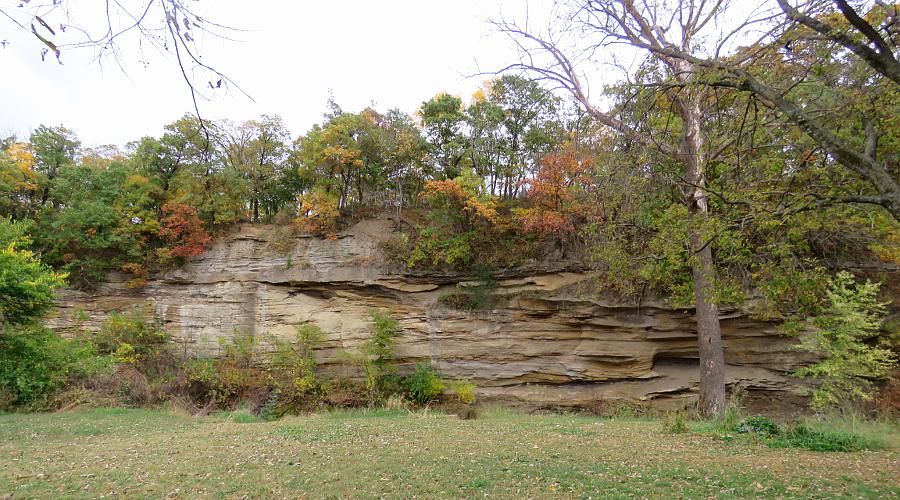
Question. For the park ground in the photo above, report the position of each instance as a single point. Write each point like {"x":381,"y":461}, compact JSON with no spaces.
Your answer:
{"x":159,"y":453}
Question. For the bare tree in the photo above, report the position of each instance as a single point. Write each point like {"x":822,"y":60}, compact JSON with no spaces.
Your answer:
{"x":115,"y":27}
{"x":650,"y":27}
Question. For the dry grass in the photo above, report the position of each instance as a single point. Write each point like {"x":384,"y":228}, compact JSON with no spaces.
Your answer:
{"x":139,"y":453}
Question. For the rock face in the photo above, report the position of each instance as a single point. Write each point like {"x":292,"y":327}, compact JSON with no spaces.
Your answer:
{"x":541,"y":344}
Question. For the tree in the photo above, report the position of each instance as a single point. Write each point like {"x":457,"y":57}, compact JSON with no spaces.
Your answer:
{"x":524,"y":114}
{"x":443,"y":120}
{"x":259,"y":150}
{"x":204,"y":179}
{"x":171,"y":27}
{"x":108,"y":220}
{"x":345,"y":157}
{"x":461,"y":212}
{"x":18,"y":181}
{"x":556,"y":195}
{"x":875,"y":45}
{"x":843,"y":335}
{"x":26,"y":284}
{"x":810,"y":40}
{"x":183,"y":231}
{"x":406,"y":154}
{"x":164,"y":158}
{"x":610,"y":22}
{"x":54,"y":148}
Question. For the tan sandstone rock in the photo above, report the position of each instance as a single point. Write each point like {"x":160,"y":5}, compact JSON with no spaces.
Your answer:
{"x":542,"y":345}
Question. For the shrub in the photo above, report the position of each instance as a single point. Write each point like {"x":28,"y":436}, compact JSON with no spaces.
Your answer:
{"x":424,"y":384}
{"x":26,"y":284}
{"x":378,"y":352}
{"x":269,"y":409}
{"x":843,"y":334}
{"x":35,"y":362}
{"x":7,"y":398}
{"x":319,"y":211}
{"x":345,"y":393}
{"x":129,"y":338}
{"x":293,"y":365}
{"x":230,"y":378}
{"x":760,"y":425}
{"x":475,"y":297}
{"x":129,"y":386}
{"x":675,"y":423}
{"x":463,"y":390}
{"x":240,"y":349}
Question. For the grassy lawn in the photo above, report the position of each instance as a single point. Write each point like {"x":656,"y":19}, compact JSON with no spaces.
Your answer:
{"x":141,"y":453}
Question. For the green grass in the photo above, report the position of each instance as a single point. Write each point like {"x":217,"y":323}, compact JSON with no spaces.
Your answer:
{"x":375,"y":453}
{"x":828,"y":434}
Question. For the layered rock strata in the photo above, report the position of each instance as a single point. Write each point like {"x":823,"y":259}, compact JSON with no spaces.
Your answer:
{"x":543,"y":343}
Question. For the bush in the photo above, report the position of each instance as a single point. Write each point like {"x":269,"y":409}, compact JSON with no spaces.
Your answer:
{"x":293,"y":369}
{"x":474,"y":297}
{"x":675,"y":423}
{"x":377,"y":353}
{"x":128,"y":385}
{"x":221,"y":381}
{"x":35,"y":362}
{"x":760,"y":425}
{"x":463,"y":390}
{"x":226,"y":379}
{"x":129,"y":338}
{"x":26,"y":283}
{"x":424,"y":384}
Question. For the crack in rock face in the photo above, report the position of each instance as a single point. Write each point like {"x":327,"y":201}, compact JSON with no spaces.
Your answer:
{"x":541,"y":344}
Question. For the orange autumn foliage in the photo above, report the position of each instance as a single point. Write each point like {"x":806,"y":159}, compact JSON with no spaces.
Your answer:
{"x":556,"y":194}
{"x":454,"y":195}
{"x":183,"y":231}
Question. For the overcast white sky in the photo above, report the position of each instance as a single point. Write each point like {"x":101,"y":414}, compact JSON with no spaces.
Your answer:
{"x":396,"y":53}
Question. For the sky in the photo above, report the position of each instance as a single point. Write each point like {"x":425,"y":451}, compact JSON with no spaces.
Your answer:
{"x":288,"y":57}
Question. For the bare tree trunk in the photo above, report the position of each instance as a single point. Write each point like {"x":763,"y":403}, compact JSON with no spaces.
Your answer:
{"x":709,"y":332}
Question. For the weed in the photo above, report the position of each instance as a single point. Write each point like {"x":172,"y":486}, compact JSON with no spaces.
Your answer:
{"x":808,"y":438}
{"x":241,"y":417}
{"x":675,"y":423}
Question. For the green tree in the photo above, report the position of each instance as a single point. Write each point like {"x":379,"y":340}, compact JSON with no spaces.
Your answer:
{"x":18,"y":181}
{"x":845,"y":334}
{"x":54,"y":148}
{"x":109,"y":220}
{"x":206,"y":181}
{"x":525,"y":117}
{"x":259,"y":151}
{"x":405,"y":158}
{"x":26,"y":284}
{"x":345,"y":157}
{"x":443,"y":119}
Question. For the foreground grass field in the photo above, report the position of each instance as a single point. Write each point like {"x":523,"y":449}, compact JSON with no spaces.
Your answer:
{"x":139,"y":453}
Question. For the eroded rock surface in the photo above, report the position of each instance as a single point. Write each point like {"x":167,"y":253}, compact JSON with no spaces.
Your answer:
{"x":542,"y":345}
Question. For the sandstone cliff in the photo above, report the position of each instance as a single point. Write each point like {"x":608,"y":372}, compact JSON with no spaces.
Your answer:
{"x":542,"y":345}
